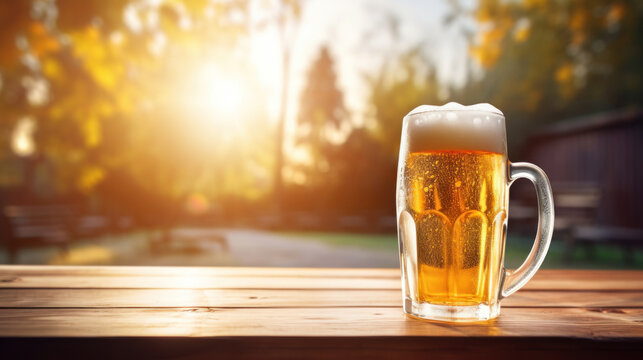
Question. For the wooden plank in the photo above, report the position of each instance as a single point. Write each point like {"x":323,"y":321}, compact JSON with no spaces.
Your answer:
{"x":610,"y":281}
{"x":278,"y":278}
{"x":138,"y":271}
{"x":196,"y":282}
{"x":317,"y":348}
{"x":604,"y":299}
{"x":586,"y":280}
{"x":254,"y":298}
{"x":597,"y":323}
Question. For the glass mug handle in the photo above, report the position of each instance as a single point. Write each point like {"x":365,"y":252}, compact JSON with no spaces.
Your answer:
{"x":512,"y":280}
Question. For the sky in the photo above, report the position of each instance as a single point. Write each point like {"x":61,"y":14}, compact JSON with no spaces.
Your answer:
{"x":353,"y":32}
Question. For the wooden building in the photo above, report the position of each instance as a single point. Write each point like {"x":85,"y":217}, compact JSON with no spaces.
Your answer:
{"x":595,"y":163}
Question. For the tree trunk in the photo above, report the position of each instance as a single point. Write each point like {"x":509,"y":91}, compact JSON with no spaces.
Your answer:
{"x":281,"y":127}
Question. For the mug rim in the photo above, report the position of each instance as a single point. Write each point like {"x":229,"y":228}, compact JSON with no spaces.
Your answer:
{"x":432,"y":108}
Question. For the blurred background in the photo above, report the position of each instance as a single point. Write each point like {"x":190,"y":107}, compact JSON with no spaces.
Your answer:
{"x":266,"y":133}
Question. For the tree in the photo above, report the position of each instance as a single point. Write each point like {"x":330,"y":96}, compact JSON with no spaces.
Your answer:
{"x":544,"y":61}
{"x":403,"y":83}
{"x":361,"y":180}
{"x":321,"y":109}
{"x":99,"y":81}
{"x":287,"y":21}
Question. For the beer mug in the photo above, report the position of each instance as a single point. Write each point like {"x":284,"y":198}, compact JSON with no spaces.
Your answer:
{"x":452,"y":205}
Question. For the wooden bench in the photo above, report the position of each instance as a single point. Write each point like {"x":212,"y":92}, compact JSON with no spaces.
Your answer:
{"x":187,"y":240}
{"x":24,"y":226}
{"x":576,"y":207}
{"x":302,"y":313}
{"x":576,"y":221}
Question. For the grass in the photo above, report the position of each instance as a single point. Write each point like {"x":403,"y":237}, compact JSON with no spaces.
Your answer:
{"x":605,"y":257}
{"x":132,"y":249}
{"x":384,"y":242}
{"x":517,"y":248}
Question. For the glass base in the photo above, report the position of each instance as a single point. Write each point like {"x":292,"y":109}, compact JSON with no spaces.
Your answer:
{"x":451,"y":313}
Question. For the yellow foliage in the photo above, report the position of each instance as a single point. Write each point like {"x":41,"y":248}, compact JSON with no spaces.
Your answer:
{"x":497,"y":21}
{"x":105,"y":109}
{"x":104,"y":68}
{"x":483,"y":15}
{"x":51,"y":68}
{"x":615,"y":14}
{"x":104,"y":75}
{"x":531,"y":4}
{"x":124,"y":101}
{"x":37,"y":28}
{"x":564,"y":74}
{"x":488,"y":49}
{"x":578,"y":20}
{"x":41,"y":41}
{"x":91,"y":131}
{"x":90,"y":177}
{"x":487,"y":56}
{"x":521,"y":34}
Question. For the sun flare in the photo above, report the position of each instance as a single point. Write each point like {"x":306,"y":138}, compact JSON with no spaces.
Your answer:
{"x":217,"y":94}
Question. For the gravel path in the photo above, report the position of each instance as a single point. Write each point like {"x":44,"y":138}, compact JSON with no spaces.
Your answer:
{"x":259,"y":248}
{"x":195,"y":247}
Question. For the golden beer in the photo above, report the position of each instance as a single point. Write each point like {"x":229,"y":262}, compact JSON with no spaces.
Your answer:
{"x":452,"y":195}
{"x":458,"y":203}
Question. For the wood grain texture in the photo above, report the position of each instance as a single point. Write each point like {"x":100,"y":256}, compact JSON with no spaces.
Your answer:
{"x":248,"y":278}
{"x":561,"y":322}
{"x":255,"y":298}
{"x":142,"y":312}
{"x":195,"y":282}
{"x":317,"y":348}
{"x":57,"y":270}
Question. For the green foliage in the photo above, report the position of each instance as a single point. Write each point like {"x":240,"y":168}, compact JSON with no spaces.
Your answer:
{"x":548,"y":60}
{"x":402,"y":84}
{"x":100,"y":80}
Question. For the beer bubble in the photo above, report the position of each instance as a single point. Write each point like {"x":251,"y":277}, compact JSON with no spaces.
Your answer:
{"x":426,"y":189}
{"x":458,"y":183}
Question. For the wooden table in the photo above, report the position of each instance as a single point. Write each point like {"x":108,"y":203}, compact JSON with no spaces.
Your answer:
{"x":147,"y":312}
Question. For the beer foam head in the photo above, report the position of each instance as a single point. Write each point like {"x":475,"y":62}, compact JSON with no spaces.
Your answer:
{"x":454,"y":126}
